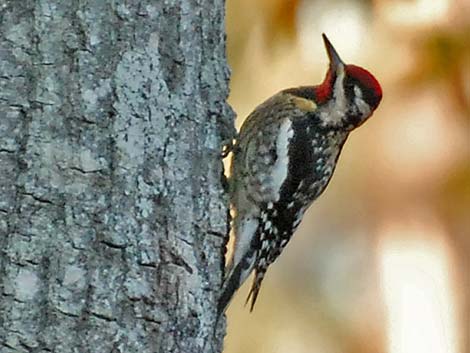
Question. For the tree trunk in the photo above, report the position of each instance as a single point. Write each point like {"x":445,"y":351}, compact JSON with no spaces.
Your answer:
{"x":112,"y":211}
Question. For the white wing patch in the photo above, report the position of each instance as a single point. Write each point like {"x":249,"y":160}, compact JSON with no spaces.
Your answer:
{"x":281,"y":166}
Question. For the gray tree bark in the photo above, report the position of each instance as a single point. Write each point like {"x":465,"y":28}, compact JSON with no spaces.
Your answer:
{"x":112,"y":210}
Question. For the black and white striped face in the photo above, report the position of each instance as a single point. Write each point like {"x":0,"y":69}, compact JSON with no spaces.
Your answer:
{"x":348,"y":95}
{"x":363,"y":94}
{"x":355,"y":94}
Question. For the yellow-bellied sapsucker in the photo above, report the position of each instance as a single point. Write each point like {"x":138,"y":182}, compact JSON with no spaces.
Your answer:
{"x":283,"y":159}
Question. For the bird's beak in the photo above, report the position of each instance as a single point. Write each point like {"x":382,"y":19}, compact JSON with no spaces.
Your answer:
{"x":335,"y":61}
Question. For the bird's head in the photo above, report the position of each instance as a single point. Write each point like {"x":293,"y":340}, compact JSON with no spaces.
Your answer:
{"x":348,"y":95}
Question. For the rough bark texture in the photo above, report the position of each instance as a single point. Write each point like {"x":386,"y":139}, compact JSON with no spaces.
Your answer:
{"x":112,"y":214}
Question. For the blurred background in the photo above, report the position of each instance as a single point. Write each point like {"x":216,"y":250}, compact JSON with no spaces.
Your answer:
{"x":380,"y":262}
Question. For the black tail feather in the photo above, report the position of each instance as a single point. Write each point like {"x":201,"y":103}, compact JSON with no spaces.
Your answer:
{"x":255,"y":288}
{"x":230,"y":286}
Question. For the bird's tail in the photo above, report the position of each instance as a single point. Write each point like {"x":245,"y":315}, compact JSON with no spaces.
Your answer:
{"x":255,"y":287}
{"x":234,"y":279}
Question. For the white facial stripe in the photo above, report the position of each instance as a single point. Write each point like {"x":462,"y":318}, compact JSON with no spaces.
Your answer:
{"x":280,"y":169}
{"x":340,"y":95}
{"x":333,"y":113}
{"x":357,"y":91}
{"x":363,"y":107}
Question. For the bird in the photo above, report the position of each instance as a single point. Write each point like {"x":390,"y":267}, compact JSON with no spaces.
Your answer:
{"x":283,"y":159}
